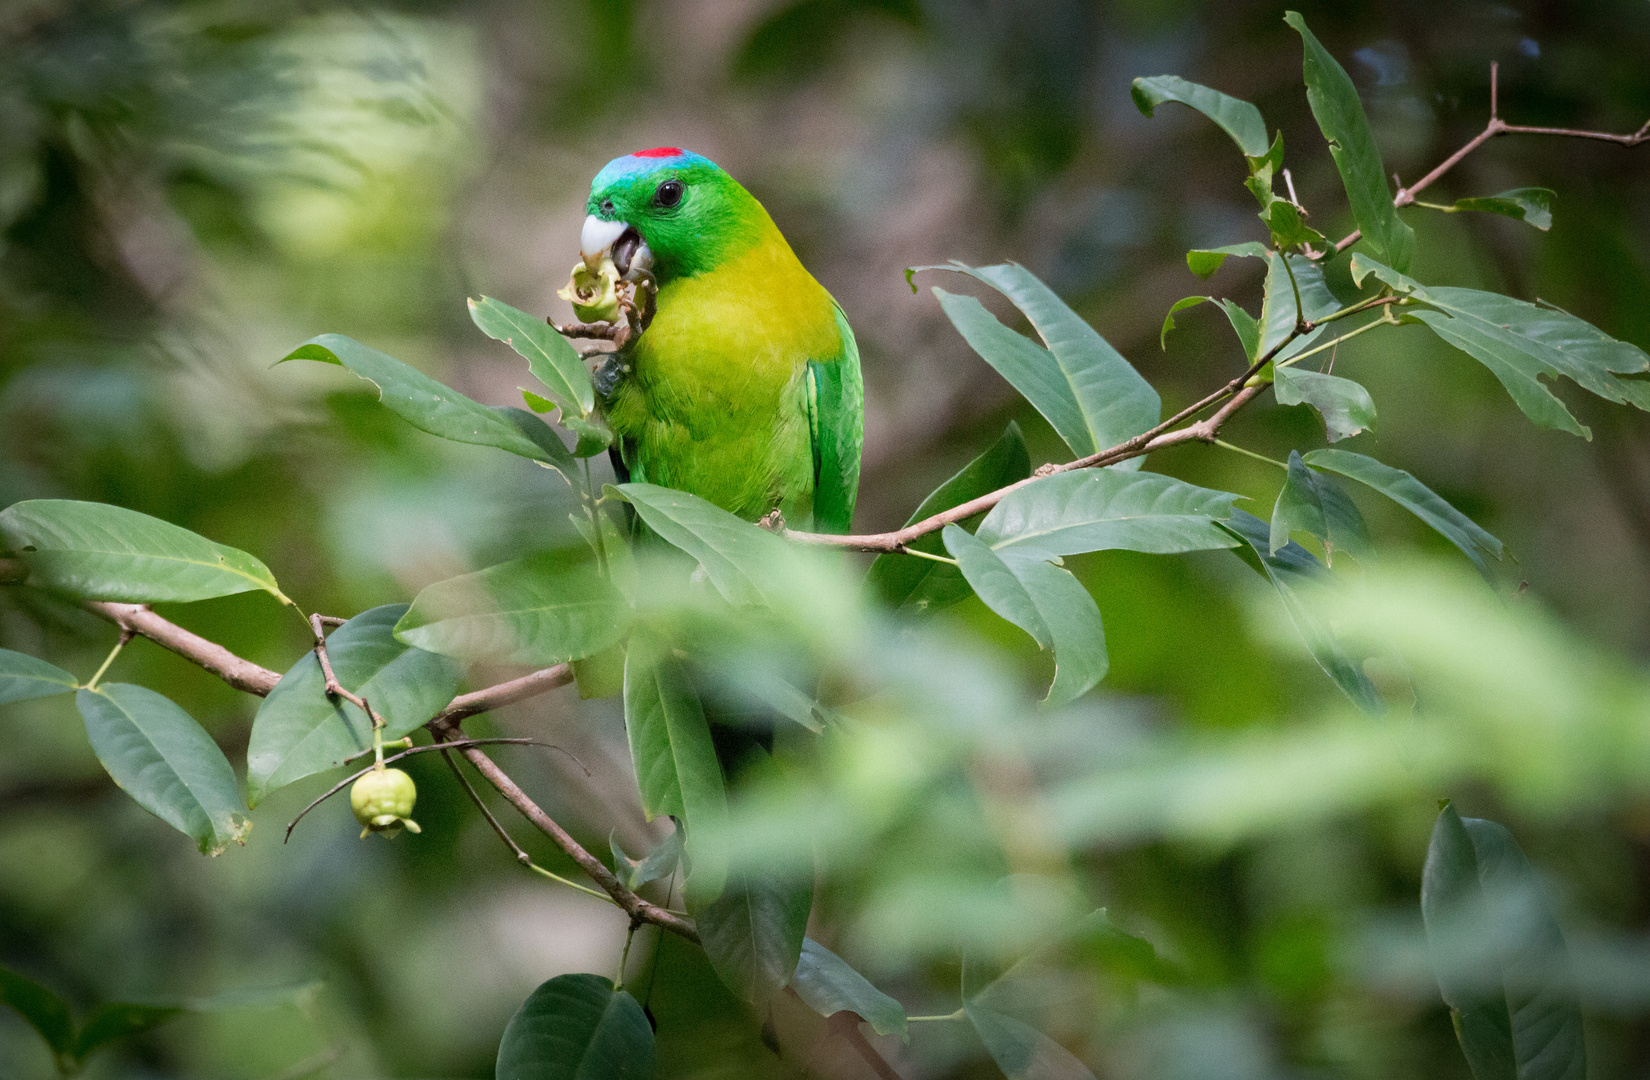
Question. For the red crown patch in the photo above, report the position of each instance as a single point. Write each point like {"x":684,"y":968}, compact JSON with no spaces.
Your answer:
{"x":660,"y":151}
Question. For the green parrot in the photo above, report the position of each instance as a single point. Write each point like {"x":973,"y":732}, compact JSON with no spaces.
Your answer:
{"x":745,"y":388}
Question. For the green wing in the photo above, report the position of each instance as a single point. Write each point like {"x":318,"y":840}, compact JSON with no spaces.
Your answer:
{"x":836,"y":421}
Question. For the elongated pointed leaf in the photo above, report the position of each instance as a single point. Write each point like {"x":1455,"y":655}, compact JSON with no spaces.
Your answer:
{"x":674,"y":757}
{"x":827,"y":984}
{"x":1020,"y":1050}
{"x":1278,"y":310}
{"x":1101,"y":509}
{"x":166,"y":762}
{"x":118,"y":1020}
{"x":1314,"y":503}
{"x":550,"y":357}
{"x":540,"y":610}
{"x":1236,"y":117}
{"x":1113,"y":402}
{"x":745,"y":562}
{"x":23,"y":678}
{"x":1499,"y":954}
{"x":1244,"y":325}
{"x":1340,"y":115}
{"x":1533,"y":205}
{"x":577,"y":1027}
{"x":1296,"y":575}
{"x":661,"y":860}
{"x":299,"y":731}
{"x":1420,"y":500}
{"x":436,"y":408}
{"x":753,"y":933}
{"x":45,"y":1011}
{"x":1345,"y":406}
{"x":95,"y":551}
{"x":1046,"y":602}
{"x":913,"y":583}
{"x":1205,"y":261}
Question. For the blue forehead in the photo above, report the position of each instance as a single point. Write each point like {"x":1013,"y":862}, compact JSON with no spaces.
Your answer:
{"x":643,"y":162}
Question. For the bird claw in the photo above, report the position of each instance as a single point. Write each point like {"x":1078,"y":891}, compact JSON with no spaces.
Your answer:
{"x":773,"y":521}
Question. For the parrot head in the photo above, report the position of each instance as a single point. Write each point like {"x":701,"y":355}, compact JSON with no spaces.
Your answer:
{"x":667,"y":211}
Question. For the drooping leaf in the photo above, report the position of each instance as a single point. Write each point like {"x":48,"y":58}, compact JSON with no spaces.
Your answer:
{"x":1101,"y":509}
{"x":45,"y":1011}
{"x":910,"y":582}
{"x":550,"y":357}
{"x":577,"y":1027}
{"x":674,"y":757}
{"x":753,"y":932}
{"x":1529,"y":204}
{"x":1244,"y":325}
{"x":1499,"y":955}
{"x":1345,"y":406}
{"x":1420,"y":500}
{"x":1045,"y":601}
{"x":1296,"y":575}
{"x":95,"y":551}
{"x":1205,"y":261}
{"x":117,"y":1020}
{"x":828,"y":985}
{"x":1179,"y":305}
{"x":1314,"y":503}
{"x":166,"y":762}
{"x":1239,"y":119}
{"x":1078,"y":370}
{"x":1278,"y":310}
{"x":1340,"y":115}
{"x":661,"y":860}
{"x":438,"y":409}
{"x":1020,"y":1050}
{"x":23,"y":678}
{"x":539,"y":610}
{"x":745,"y":562}
{"x":299,"y":731}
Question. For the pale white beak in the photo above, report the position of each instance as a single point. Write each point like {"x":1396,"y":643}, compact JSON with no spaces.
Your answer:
{"x":618,"y":239}
{"x":597,"y":237}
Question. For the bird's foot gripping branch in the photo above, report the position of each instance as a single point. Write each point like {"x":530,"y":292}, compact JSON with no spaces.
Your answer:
{"x":716,"y":617}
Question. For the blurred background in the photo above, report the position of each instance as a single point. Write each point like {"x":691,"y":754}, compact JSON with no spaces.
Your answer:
{"x":189,"y":189}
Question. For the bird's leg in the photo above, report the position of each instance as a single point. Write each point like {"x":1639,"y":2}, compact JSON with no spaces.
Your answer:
{"x":773,"y":521}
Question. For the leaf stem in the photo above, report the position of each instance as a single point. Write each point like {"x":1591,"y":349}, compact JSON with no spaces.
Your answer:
{"x":125,"y":636}
{"x":624,"y":957}
{"x":958,"y":1015}
{"x":928,"y":555}
{"x":1223,"y":444}
{"x":1332,"y":342}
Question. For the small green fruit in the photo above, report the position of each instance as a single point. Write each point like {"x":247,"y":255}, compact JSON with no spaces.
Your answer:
{"x":383,"y":800}
{"x":594,"y":293}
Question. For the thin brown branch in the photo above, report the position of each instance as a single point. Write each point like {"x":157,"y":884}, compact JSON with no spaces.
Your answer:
{"x":232,"y":669}
{"x":475,"y":797}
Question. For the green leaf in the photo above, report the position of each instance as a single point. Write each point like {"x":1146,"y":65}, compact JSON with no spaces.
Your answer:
{"x":913,"y":583}
{"x":1179,"y":306}
{"x":1239,"y":119}
{"x":45,"y":1011}
{"x":1244,"y":325}
{"x":1101,"y":509}
{"x":1340,"y":116}
{"x":23,"y":678}
{"x":753,"y":933}
{"x":550,"y":357}
{"x":1278,"y":313}
{"x":601,"y":674}
{"x":577,"y":1027}
{"x":1046,"y":602}
{"x":99,"y":552}
{"x":1101,"y":399}
{"x":745,"y":562}
{"x":1345,"y":406}
{"x":1020,"y":1050}
{"x":662,"y":860}
{"x":116,"y":1021}
{"x":540,"y":610}
{"x":1205,"y":261}
{"x":1288,"y":229}
{"x":675,"y":760}
{"x":1515,"y":1013}
{"x":1296,"y":574}
{"x":1529,"y":204}
{"x":1314,"y":503}
{"x":438,"y":409}
{"x":166,"y":762}
{"x":593,"y":434}
{"x":299,"y":731}
{"x":1418,"y":499}
{"x":828,"y":985}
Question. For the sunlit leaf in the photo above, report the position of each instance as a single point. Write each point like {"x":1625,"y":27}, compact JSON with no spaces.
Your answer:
{"x":550,"y":357}
{"x":299,"y":731}
{"x":99,"y":552}
{"x":1239,"y":119}
{"x":166,"y":762}
{"x":753,"y":933}
{"x":1314,"y":503}
{"x":539,"y":610}
{"x":22,"y":678}
{"x":1020,"y":1050}
{"x":1340,"y":115}
{"x":828,"y":985}
{"x":1418,"y":499}
{"x":438,"y":409}
{"x":1529,"y":204}
{"x":921,"y":584}
{"x":1345,"y":406}
{"x":45,"y":1011}
{"x":1045,"y":601}
{"x":1515,"y":1012}
{"x":577,"y":1027}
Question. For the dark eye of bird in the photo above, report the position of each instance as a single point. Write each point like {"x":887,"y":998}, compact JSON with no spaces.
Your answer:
{"x":607,"y":206}
{"x":669,"y":193}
